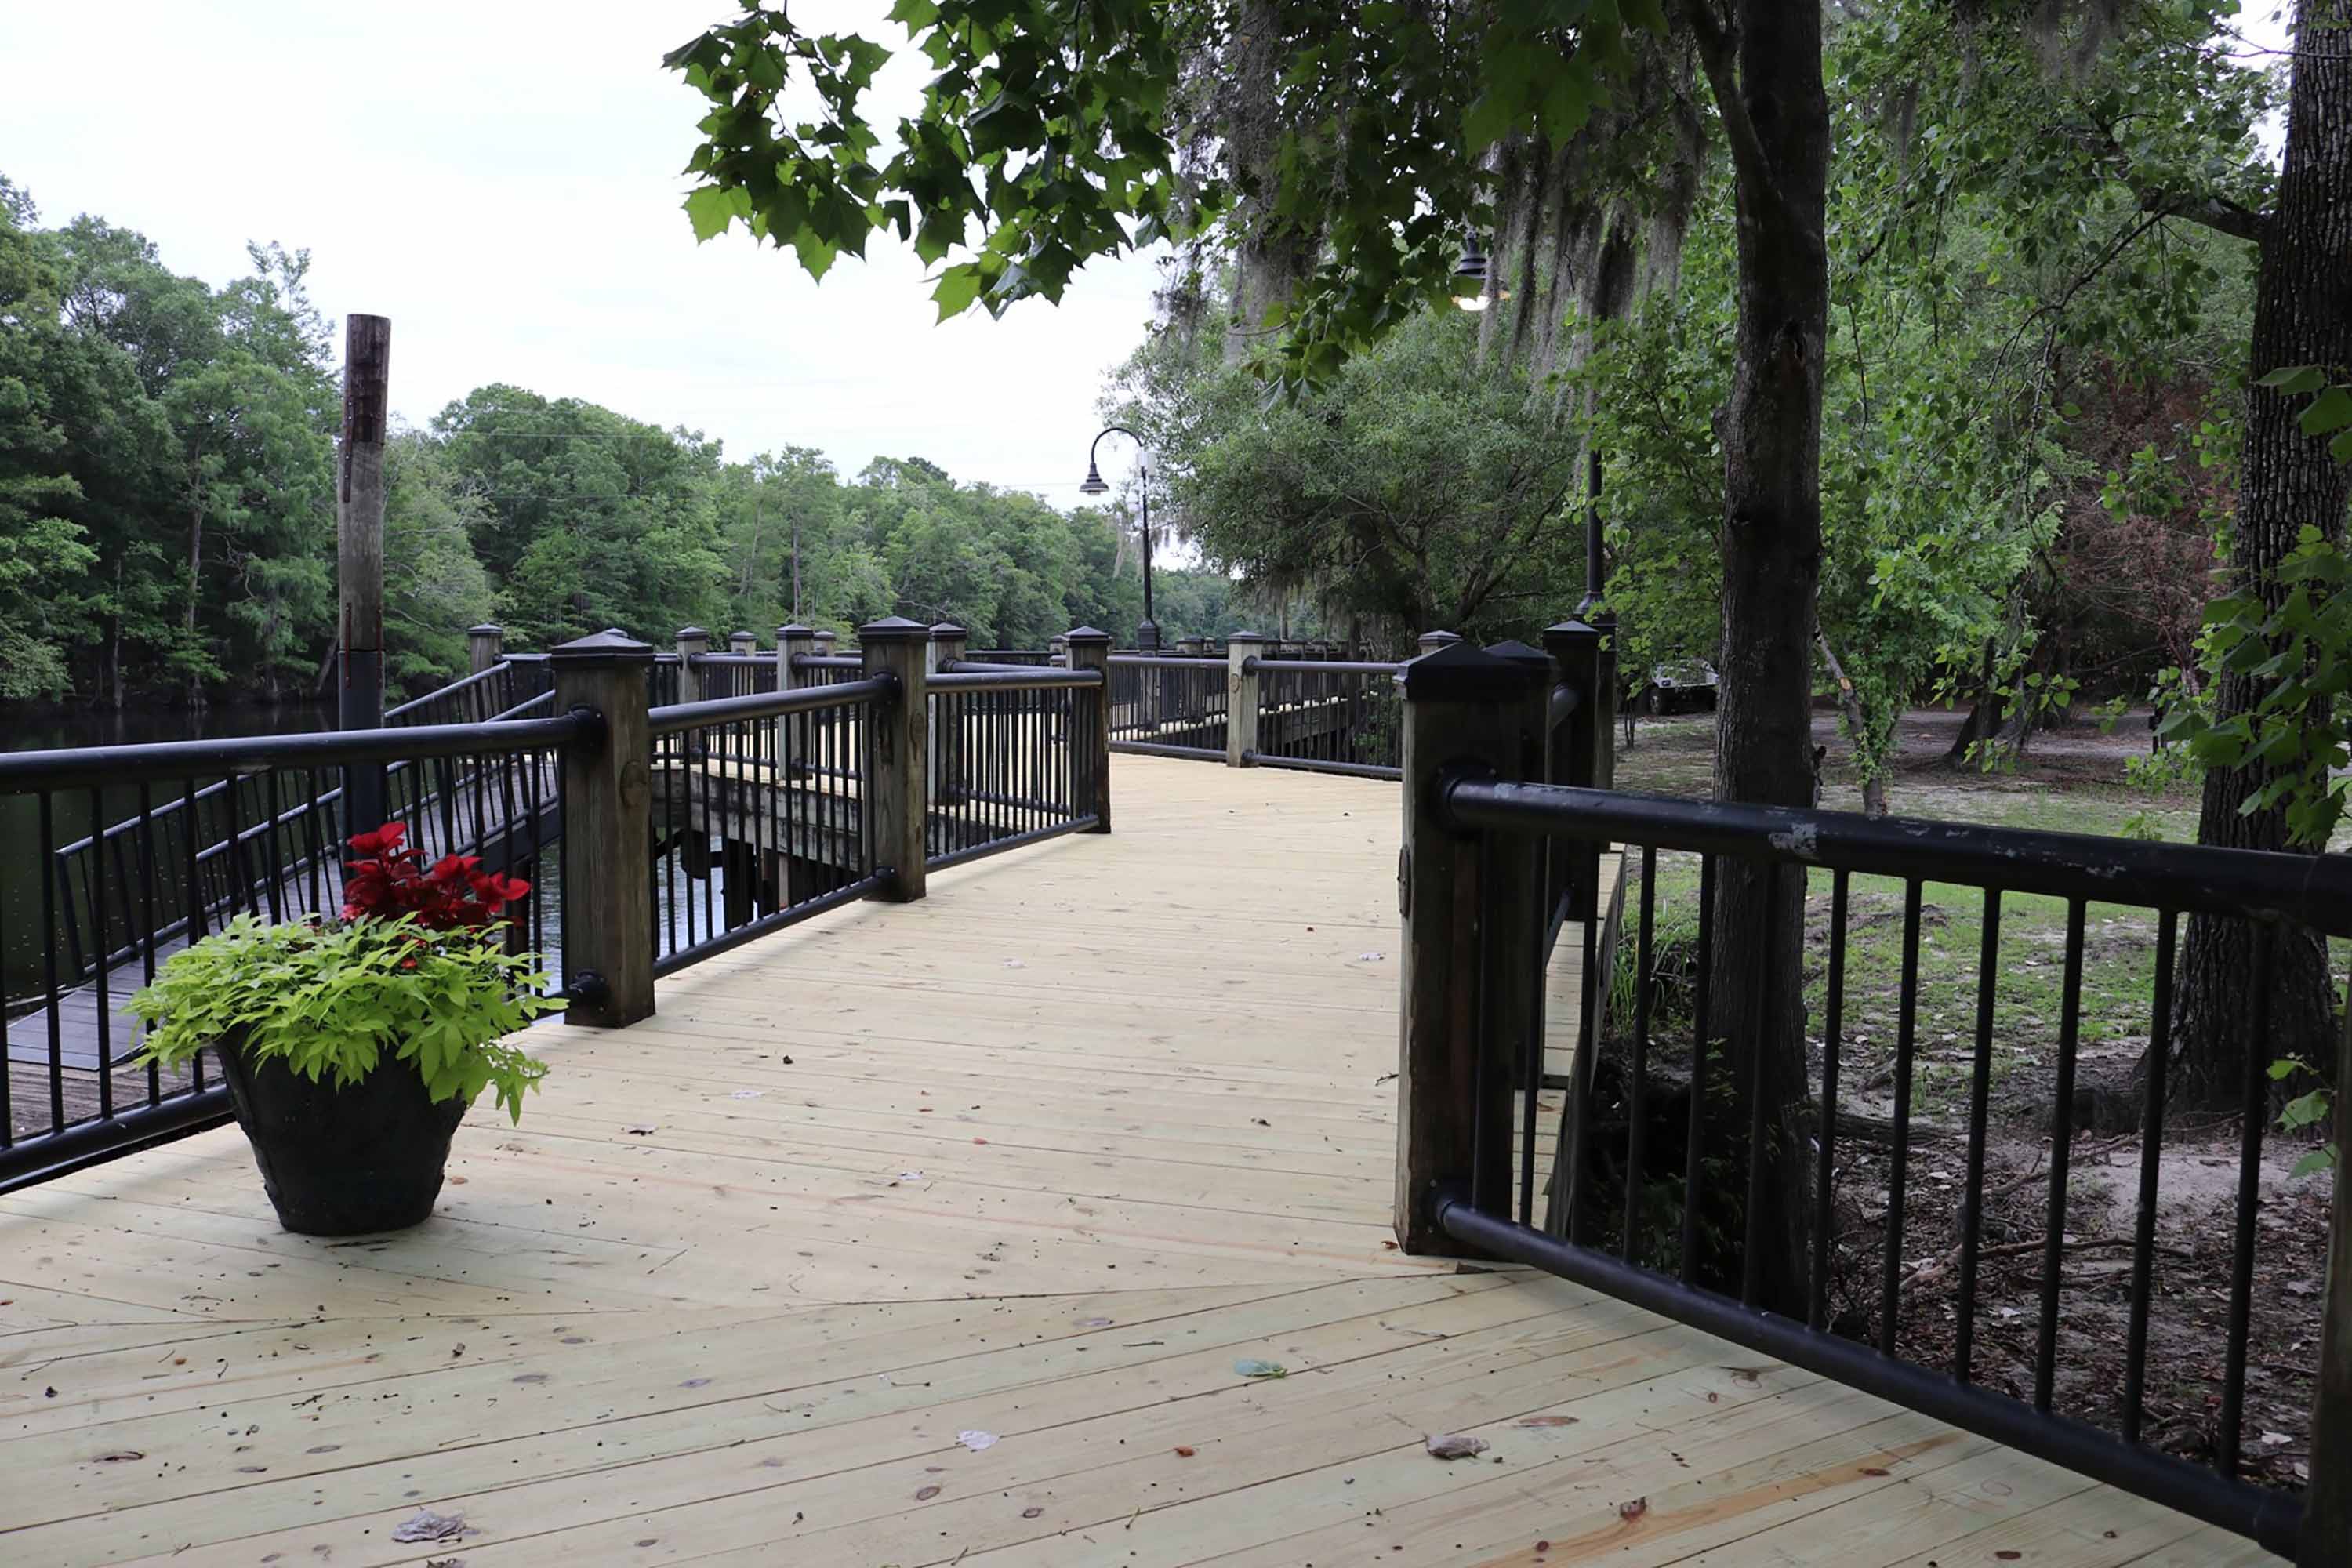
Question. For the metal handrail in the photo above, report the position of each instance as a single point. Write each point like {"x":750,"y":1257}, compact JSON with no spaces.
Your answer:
{"x":95,"y":766}
{"x":2313,"y":889}
{"x":672,"y":718}
{"x":1323,"y":666}
{"x":1037,"y":679}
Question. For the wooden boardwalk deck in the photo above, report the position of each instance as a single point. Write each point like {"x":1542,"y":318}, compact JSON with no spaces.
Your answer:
{"x":935,"y":1234}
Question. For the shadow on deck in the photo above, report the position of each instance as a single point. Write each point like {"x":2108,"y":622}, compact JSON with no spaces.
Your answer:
{"x":939,"y":1232}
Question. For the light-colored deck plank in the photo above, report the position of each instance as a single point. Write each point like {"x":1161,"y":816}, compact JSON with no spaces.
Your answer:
{"x":1052,"y":1152}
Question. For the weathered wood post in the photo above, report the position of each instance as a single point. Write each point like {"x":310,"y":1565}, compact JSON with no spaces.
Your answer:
{"x":1057,"y":652}
{"x":794,"y":732}
{"x":608,"y":952}
{"x":1191,"y":700}
{"x":693,"y":642}
{"x":1432,"y":641}
{"x":485,"y":647}
{"x":2327,"y":1503}
{"x":896,"y":773}
{"x":1241,"y":699}
{"x":358,"y":557}
{"x":1090,"y":730}
{"x":741,"y":679}
{"x":1582,"y":718}
{"x":1471,"y":975}
{"x":950,"y":714}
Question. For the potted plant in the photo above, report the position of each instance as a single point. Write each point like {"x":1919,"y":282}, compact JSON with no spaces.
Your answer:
{"x":352,"y":1047}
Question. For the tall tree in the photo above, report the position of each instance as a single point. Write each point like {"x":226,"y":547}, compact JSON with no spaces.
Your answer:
{"x":1045,"y":133}
{"x":2288,"y":482}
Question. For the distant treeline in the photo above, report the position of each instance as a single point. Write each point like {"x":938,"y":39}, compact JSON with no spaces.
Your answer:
{"x":167,"y":523}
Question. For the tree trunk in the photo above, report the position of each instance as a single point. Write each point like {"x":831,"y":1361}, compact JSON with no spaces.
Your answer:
{"x":2303,"y":316}
{"x":1765,"y":74}
{"x":1857,"y":724}
{"x":195,"y":579}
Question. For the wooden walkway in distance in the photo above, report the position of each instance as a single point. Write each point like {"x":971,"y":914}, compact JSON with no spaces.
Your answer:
{"x":942,"y":1234}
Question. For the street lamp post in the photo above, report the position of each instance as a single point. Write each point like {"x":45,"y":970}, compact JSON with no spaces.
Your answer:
{"x":1147,"y":635}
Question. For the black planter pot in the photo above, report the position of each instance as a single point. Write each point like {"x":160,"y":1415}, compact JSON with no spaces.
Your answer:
{"x":342,"y":1162}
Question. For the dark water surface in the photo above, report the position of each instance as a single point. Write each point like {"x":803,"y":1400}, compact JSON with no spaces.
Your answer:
{"x":72,"y":813}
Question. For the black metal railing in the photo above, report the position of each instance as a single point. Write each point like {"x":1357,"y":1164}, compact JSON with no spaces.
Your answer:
{"x":759,"y":816}
{"x":1749,"y":1154}
{"x":826,"y":668}
{"x":475,"y":698}
{"x":1040,"y":657}
{"x":1004,"y":771}
{"x":216,"y":828}
{"x":1340,"y":715}
{"x":1167,"y":705}
{"x":719,"y":675}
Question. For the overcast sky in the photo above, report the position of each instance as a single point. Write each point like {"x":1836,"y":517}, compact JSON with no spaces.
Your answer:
{"x":500,"y":179}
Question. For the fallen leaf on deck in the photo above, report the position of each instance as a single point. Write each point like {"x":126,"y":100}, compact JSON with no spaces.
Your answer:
{"x":925,"y":1494}
{"x":1547,"y":1421}
{"x":1261,"y":1369}
{"x":1634,"y":1509}
{"x":643,"y":1129}
{"x":1455,"y":1445}
{"x":1183,"y":1453}
{"x":1031,"y":1513}
{"x":429,"y":1526}
{"x":976,"y":1441}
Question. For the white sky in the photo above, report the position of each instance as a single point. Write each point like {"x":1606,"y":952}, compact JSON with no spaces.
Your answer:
{"x":500,"y":179}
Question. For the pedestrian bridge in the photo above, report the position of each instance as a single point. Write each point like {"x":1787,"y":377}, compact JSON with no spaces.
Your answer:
{"x":1047,"y":1220}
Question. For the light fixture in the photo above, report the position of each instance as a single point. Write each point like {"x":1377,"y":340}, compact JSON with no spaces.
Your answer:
{"x":1092,"y":484}
{"x":1472,"y":268}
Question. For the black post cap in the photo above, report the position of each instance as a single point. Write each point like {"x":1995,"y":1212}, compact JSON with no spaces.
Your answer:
{"x":1463,"y":673}
{"x":893,"y":628}
{"x":611,"y":648}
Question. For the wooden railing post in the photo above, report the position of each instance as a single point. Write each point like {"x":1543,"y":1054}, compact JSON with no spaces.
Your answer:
{"x":608,"y":954}
{"x":1433,"y":641}
{"x":2327,"y":1502}
{"x":897,"y":777}
{"x":485,"y":646}
{"x":1241,"y":698}
{"x":692,"y":643}
{"x":1584,"y":709}
{"x":1057,"y":652}
{"x":792,"y":731}
{"x":1470,"y":967}
{"x":1192,"y":702}
{"x":948,"y":644}
{"x":1090,"y":730}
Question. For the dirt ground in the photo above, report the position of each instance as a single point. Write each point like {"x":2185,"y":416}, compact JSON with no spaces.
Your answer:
{"x":2070,"y":780}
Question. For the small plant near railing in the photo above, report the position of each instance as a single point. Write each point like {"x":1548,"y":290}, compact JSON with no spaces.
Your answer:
{"x":352,"y":1045}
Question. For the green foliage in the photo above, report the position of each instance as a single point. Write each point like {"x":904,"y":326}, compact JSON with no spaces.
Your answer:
{"x":1417,"y":489}
{"x":339,"y":996}
{"x":1048,"y":136}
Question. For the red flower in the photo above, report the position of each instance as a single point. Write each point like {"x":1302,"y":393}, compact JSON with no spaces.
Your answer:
{"x":388,"y":881}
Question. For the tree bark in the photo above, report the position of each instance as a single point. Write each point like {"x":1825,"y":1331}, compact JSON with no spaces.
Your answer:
{"x":2303,"y":316}
{"x":1765,"y":70}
